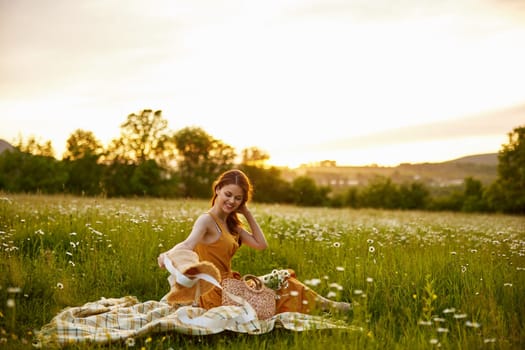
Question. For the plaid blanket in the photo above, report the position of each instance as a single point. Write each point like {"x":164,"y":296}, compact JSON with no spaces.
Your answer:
{"x":116,"y":319}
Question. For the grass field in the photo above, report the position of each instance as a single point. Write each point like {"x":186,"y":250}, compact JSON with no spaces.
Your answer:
{"x":418,"y":280}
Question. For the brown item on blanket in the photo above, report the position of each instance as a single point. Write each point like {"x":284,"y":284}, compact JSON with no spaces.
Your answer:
{"x":187,"y":262}
{"x":260,"y":297}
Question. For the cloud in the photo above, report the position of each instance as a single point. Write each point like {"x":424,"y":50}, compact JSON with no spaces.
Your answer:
{"x":493,"y":123}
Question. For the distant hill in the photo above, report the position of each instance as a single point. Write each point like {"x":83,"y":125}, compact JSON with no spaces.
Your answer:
{"x":482,"y":167}
{"x":482,"y":159}
{"x":4,"y":145}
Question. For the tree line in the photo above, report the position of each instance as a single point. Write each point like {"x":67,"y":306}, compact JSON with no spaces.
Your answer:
{"x":148,"y":159}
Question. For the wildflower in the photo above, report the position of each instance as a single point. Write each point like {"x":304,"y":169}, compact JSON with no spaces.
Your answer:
{"x":148,"y":340}
{"x":14,"y":290}
{"x":10,"y":303}
{"x":336,"y":244}
{"x":73,"y":234}
{"x":294,"y":293}
{"x":424,"y":323}
{"x":433,"y":341}
{"x":442,"y":330}
{"x":313,"y":282}
{"x":507,"y":285}
{"x":369,"y":241}
{"x":331,"y":294}
{"x":130,"y":342}
{"x":69,"y":253}
{"x":449,"y":311}
{"x":489,"y":340}
{"x":336,"y":286}
{"x":472,"y":324}
{"x":459,"y":316}
{"x":60,"y":285}
{"x":371,"y":249}
{"x":369,"y":279}
{"x":358,"y":291}
{"x":340,"y":268}
{"x":277,"y":279}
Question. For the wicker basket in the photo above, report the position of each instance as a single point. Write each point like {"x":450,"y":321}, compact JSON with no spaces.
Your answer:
{"x":251,"y":289}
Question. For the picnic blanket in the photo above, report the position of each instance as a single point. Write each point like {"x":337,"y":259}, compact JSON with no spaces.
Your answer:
{"x":117,"y":319}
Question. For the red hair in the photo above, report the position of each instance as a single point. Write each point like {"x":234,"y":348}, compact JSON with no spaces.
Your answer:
{"x":233,"y":177}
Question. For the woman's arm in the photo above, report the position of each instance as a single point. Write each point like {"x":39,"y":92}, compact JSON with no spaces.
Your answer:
{"x":256,"y":238}
{"x":196,"y":235}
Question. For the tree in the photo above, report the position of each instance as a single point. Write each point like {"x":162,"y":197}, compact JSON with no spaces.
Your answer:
{"x":116,"y":179}
{"x":507,"y":194}
{"x":254,"y":156}
{"x":307,"y":193}
{"x":35,"y":147}
{"x":82,"y":144}
{"x":81,"y":158}
{"x":414,"y":195}
{"x":351,"y":197}
{"x":473,"y":200}
{"x":268,"y":185}
{"x":381,"y":193}
{"x":146,"y":179}
{"x":200,"y":159}
{"x":143,"y":136}
{"x":25,"y":172}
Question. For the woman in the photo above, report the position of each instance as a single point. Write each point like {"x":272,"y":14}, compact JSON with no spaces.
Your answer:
{"x":217,"y":234}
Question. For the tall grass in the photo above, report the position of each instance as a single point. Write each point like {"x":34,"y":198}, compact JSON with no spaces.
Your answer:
{"x":417,"y":280}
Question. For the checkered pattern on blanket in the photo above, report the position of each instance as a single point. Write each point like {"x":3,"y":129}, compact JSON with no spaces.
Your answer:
{"x":110,"y":320}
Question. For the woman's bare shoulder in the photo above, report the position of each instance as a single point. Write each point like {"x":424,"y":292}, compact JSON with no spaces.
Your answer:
{"x":204,"y":220}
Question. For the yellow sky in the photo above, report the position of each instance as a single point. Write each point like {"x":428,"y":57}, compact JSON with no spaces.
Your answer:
{"x":359,"y":82}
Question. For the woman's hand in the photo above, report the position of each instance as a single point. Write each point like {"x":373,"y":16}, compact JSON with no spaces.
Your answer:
{"x":255,"y":238}
{"x":243,"y":209}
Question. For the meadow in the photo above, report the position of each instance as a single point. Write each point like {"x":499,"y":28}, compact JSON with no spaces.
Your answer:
{"x":417,"y":280}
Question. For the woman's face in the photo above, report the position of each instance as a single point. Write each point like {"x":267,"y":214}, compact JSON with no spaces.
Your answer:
{"x":229,"y":197}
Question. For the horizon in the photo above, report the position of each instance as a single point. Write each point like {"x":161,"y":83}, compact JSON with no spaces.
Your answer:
{"x":318,"y":163}
{"x":304,"y":81}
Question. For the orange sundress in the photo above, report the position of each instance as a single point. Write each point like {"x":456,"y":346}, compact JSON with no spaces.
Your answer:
{"x":297,"y":297}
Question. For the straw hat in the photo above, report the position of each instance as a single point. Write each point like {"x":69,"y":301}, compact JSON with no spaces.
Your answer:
{"x":187,"y":262}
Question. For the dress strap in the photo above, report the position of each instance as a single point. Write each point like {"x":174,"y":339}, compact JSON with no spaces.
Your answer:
{"x":222,"y":229}
{"x":217,"y":224}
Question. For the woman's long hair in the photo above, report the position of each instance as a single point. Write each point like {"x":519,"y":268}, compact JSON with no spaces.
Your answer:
{"x":233,"y":177}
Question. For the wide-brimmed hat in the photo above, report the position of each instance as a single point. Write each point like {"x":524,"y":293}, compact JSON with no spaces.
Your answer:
{"x":187,"y":263}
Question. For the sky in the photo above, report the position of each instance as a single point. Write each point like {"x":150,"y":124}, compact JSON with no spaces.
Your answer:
{"x":359,"y":82}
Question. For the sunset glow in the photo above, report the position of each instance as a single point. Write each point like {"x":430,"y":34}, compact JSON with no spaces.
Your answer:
{"x":358,"y":83}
